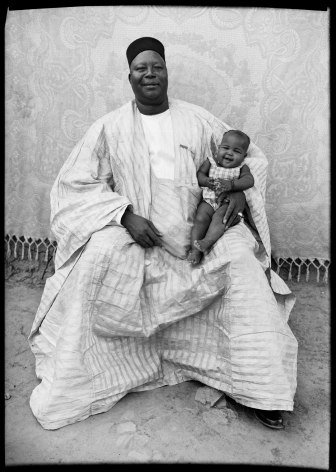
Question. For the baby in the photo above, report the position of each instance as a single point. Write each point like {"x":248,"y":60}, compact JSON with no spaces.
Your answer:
{"x":227,"y":173}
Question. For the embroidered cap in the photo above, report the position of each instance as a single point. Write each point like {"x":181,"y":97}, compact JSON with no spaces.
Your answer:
{"x":144,"y":44}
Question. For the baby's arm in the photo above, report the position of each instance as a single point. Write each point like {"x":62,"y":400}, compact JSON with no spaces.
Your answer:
{"x":203,"y":176}
{"x":244,"y":182}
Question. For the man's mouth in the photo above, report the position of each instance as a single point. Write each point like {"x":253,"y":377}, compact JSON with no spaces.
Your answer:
{"x":150,"y":85}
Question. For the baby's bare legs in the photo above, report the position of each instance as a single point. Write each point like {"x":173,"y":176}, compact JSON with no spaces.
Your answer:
{"x":215,"y":230}
{"x":202,"y":221}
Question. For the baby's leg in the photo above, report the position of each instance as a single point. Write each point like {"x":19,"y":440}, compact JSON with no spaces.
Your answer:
{"x":215,"y":230}
{"x":202,"y":220}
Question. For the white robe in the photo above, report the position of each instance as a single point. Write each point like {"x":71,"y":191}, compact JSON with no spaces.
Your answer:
{"x":117,"y":318}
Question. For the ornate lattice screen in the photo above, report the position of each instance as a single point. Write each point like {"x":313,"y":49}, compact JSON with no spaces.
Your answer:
{"x":265,"y":71}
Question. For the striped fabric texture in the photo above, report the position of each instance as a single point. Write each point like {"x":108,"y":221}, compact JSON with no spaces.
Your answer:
{"x":117,"y":318}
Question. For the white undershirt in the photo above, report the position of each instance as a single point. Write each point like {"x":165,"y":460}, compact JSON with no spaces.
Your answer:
{"x":159,"y":137}
{"x":158,"y":131}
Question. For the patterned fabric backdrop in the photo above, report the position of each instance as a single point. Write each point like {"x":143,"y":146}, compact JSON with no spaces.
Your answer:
{"x":265,"y":71}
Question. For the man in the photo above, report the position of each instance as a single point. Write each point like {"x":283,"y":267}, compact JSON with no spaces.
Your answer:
{"x":125,"y":311}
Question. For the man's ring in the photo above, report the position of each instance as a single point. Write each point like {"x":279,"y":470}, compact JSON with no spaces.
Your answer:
{"x":240,"y":214}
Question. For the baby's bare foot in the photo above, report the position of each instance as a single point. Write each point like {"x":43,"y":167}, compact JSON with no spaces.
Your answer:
{"x":203,"y":245}
{"x":194,"y":256}
{"x":197,"y":245}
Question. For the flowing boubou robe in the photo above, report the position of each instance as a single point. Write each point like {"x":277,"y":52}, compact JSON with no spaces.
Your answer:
{"x":117,"y":318}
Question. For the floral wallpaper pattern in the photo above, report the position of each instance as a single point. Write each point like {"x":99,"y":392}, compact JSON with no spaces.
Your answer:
{"x":263,"y":70}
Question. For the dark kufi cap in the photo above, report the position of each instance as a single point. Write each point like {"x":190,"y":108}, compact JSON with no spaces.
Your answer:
{"x":144,"y":44}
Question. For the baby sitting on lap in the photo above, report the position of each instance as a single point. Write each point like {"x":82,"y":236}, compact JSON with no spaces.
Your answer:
{"x":226,"y":173}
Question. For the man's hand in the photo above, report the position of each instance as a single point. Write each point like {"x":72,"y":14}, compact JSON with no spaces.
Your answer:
{"x":237,"y":204}
{"x":142,"y":230}
{"x":221,"y":198}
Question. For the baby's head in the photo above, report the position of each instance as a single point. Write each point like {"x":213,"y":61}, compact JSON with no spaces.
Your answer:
{"x":233,"y":149}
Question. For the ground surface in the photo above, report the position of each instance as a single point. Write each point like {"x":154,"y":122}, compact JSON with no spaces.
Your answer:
{"x":168,"y":425}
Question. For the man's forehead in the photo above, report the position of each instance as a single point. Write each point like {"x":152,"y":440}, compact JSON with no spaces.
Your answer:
{"x":148,"y":55}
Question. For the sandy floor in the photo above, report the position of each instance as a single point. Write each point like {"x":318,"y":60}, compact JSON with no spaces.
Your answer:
{"x":167,"y":425}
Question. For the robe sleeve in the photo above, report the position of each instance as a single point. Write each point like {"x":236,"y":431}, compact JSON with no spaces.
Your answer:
{"x":82,"y":197}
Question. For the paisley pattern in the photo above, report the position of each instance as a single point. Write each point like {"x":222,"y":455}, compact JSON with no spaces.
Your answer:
{"x":265,"y":71}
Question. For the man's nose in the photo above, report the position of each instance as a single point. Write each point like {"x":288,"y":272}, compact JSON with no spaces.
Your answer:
{"x":149,"y":71}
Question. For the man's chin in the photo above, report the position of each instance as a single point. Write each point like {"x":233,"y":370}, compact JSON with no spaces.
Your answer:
{"x":153,"y":95}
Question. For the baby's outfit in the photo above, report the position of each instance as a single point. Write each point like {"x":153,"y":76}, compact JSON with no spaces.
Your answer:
{"x":217,"y":172}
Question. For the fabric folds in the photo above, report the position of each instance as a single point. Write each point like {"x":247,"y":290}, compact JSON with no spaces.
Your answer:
{"x":116,"y":318}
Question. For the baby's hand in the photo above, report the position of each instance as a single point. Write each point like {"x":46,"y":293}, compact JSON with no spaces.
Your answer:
{"x":211,"y":183}
{"x":223,"y":186}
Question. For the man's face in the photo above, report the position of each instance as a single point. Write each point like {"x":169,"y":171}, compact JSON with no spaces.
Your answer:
{"x":149,"y":78}
{"x":231,"y":151}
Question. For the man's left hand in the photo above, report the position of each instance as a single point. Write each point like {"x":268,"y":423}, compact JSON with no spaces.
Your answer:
{"x":236,"y":205}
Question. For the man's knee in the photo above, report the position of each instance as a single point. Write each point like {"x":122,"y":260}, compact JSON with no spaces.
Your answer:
{"x":242,"y":245}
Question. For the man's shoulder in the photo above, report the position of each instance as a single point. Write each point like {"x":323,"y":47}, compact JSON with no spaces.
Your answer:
{"x":109,"y":118}
{"x":192,"y":108}
{"x":115,"y":114}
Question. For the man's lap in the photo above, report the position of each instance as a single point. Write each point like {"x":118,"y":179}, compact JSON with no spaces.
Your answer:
{"x":151,"y":288}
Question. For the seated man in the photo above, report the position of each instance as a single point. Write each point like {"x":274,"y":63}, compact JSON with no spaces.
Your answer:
{"x":125,"y":311}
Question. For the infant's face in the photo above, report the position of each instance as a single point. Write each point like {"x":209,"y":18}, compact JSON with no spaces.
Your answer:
{"x":231,"y":151}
